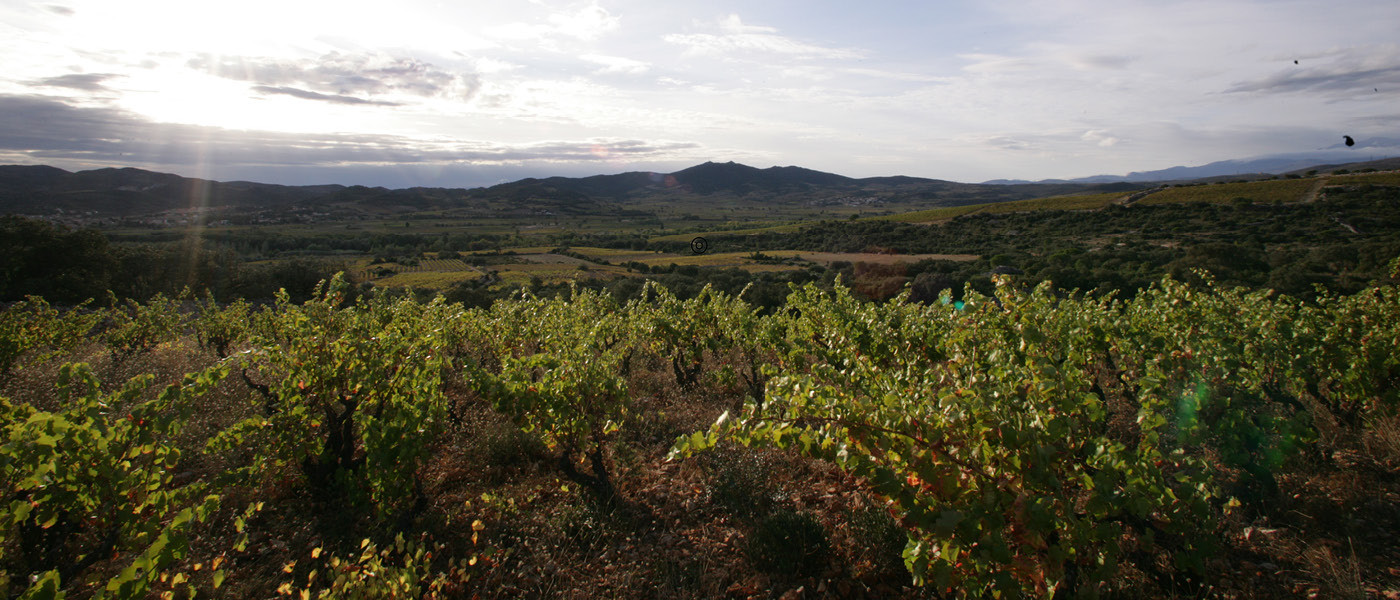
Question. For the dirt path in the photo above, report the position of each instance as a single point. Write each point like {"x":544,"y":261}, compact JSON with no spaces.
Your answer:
{"x":1127,"y":200}
{"x":1317,"y":187}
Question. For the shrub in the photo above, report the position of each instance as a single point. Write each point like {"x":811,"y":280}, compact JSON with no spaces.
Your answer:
{"x":355,"y":395}
{"x":562,"y":376}
{"x":742,"y":481}
{"x":221,"y":328}
{"x":790,"y":544}
{"x":95,"y":481}
{"x":138,"y":328}
{"x":878,"y":539}
{"x":32,"y":327}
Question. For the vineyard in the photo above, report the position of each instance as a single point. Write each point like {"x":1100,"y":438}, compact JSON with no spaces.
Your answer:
{"x":1284,"y":190}
{"x":1194,"y":441}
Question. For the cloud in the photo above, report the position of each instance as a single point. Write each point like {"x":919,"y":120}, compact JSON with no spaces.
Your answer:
{"x":309,"y":95}
{"x":995,"y":63}
{"x":1391,"y":120}
{"x":733,"y":25}
{"x":59,"y":10}
{"x":1102,"y":61}
{"x":617,"y":64}
{"x":1100,"y":137}
{"x":739,"y":38}
{"x":896,"y":75}
{"x":344,"y":75}
{"x":47,"y":130}
{"x":88,"y":82}
{"x":588,"y":23}
{"x":1050,"y":59}
{"x":1355,"y":71}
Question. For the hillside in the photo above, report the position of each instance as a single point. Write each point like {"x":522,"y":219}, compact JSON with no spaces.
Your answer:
{"x":124,"y":192}
{"x":1242,"y":169}
{"x":1194,"y":441}
{"x":602,"y":415}
{"x":708,"y":196}
{"x":107,"y":197}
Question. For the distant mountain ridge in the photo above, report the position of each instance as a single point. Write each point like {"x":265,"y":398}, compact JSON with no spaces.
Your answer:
{"x":149,"y":197}
{"x":714,"y":177}
{"x":121,"y":193}
{"x":1269,"y":165}
{"x":125,"y":191}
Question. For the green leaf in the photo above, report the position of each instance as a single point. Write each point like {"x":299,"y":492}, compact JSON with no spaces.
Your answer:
{"x":46,"y":588}
{"x":947,"y":522}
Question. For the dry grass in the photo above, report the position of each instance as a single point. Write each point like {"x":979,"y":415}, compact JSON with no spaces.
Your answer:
{"x":1336,"y":571}
{"x":1382,"y":442}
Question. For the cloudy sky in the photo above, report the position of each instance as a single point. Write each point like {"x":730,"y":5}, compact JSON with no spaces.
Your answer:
{"x":418,"y":92}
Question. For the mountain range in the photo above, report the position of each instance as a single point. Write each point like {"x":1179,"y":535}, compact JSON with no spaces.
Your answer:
{"x":1251,"y":167}
{"x":130,"y":192}
{"x":126,"y":193}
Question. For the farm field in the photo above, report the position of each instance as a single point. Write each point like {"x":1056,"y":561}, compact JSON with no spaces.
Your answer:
{"x":515,"y":266}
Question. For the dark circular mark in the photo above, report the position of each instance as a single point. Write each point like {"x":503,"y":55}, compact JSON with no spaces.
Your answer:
{"x":699,"y":245}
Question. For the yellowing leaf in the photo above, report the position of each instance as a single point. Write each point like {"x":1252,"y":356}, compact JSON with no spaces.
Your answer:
{"x":316,"y":553}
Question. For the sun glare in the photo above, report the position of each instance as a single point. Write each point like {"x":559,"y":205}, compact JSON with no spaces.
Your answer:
{"x":193,"y":98}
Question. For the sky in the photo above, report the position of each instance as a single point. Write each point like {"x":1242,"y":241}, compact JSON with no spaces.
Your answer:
{"x":465,"y":94}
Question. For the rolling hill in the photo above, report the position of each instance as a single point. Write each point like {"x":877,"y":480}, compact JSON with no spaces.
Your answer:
{"x":700,"y":193}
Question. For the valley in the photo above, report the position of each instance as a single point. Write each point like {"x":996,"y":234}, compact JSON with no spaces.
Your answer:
{"x":1162,"y":390}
